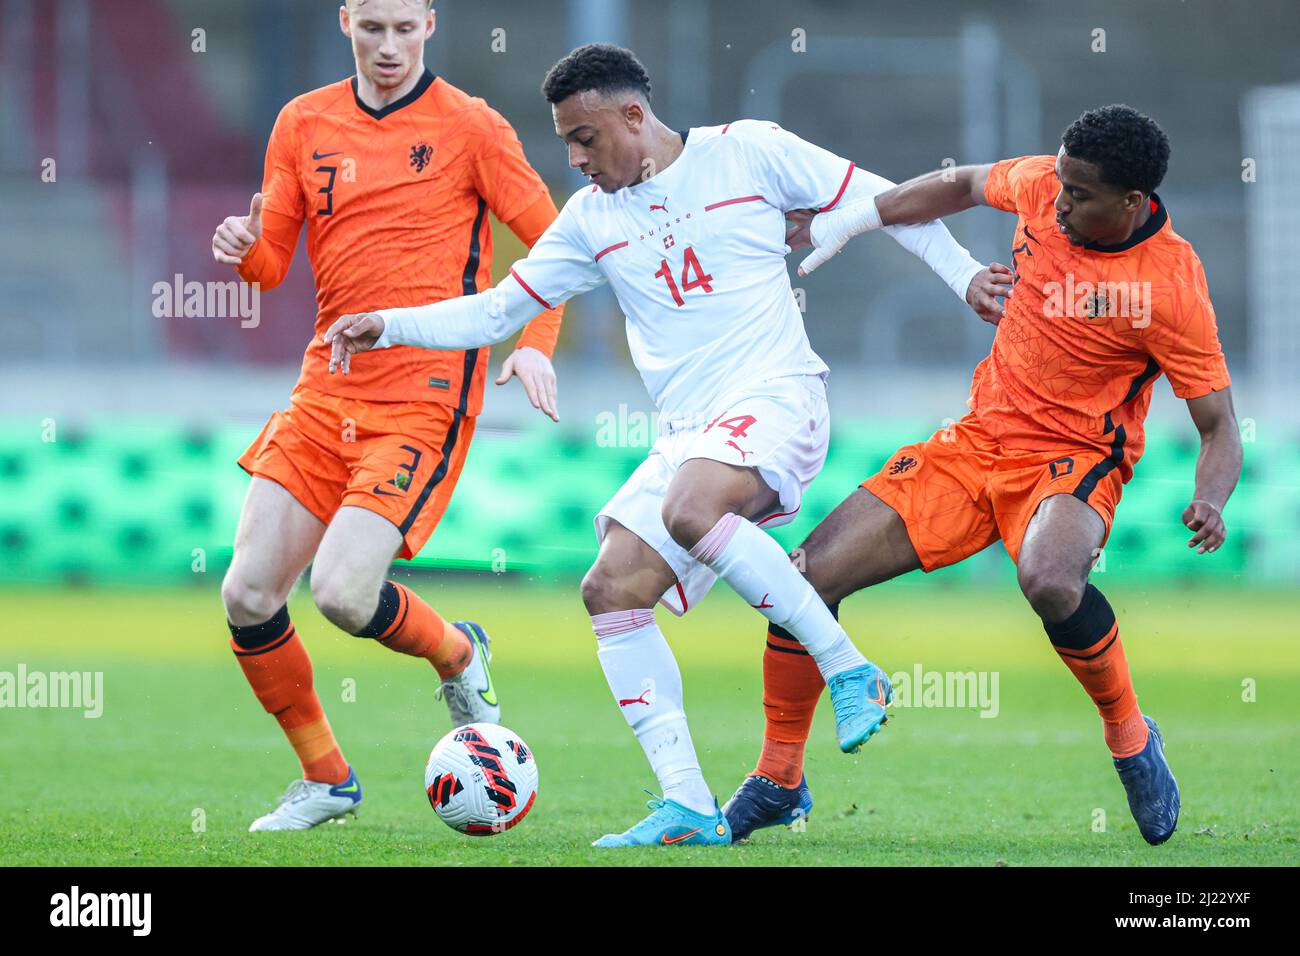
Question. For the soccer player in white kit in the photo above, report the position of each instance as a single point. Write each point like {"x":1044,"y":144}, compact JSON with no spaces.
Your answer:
{"x":689,"y":230}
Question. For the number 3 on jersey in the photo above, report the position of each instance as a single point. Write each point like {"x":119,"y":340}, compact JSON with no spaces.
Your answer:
{"x":689,"y":263}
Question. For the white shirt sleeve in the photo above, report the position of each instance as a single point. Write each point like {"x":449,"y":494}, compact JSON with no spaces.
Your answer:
{"x":558,"y":267}
{"x":791,"y":172}
{"x":929,"y":241}
{"x":795,"y":174}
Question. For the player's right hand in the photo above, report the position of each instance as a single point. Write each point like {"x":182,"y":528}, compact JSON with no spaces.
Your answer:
{"x":796,"y":229}
{"x":986,"y":288}
{"x":351,"y":334}
{"x":1207,"y":521}
{"x":235,"y":236}
{"x":823,"y":250}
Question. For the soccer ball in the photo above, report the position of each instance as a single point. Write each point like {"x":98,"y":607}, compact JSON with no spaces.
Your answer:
{"x":481,"y":779}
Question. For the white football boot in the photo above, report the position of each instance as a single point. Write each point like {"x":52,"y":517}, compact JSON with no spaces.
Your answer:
{"x":471,"y":696}
{"x":307,"y":803}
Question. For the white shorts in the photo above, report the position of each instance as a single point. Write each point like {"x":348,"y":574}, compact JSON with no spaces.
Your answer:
{"x":780,"y":426}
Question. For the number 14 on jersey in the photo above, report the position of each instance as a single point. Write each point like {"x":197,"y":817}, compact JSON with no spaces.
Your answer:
{"x":690,"y":264}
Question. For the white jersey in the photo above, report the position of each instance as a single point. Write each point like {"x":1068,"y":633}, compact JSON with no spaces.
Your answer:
{"x":696,"y":258}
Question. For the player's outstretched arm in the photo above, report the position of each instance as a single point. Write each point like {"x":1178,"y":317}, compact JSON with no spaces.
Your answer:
{"x":465,"y":322}
{"x":935,"y":194}
{"x":558,"y":267}
{"x":979,"y":286}
{"x":931,"y":196}
{"x":1217,"y":469}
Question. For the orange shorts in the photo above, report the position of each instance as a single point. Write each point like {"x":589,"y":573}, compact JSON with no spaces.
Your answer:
{"x":400,"y":460}
{"x":961,"y":490}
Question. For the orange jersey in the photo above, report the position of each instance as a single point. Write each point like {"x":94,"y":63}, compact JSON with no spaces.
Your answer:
{"x":1088,"y":329}
{"x":396,"y":204}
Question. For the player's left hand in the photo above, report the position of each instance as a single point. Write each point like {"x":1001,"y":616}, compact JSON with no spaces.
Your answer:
{"x":351,"y":334}
{"x":538,"y":377}
{"x":1207,"y":521}
{"x":985,"y":289}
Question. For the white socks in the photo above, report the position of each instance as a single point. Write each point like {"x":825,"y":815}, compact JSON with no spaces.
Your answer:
{"x":643,"y":676}
{"x":758,"y":569}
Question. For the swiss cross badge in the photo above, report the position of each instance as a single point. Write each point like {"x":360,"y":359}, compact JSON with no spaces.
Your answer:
{"x":669,"y":242}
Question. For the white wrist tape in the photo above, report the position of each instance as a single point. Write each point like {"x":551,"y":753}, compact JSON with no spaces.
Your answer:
{"x":831,"y":230}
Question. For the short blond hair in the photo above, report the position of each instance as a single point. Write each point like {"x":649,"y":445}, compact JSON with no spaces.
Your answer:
{"x":428,"y":4}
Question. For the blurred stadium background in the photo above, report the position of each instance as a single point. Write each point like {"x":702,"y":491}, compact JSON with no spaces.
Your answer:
{"x":119,"y":429}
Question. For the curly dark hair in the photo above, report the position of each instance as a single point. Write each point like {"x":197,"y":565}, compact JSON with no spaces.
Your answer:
{"x":1129,"y":147}
{"x":597,"y":66}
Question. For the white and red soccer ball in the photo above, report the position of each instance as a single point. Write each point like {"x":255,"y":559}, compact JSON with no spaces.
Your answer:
{"x":481,"y":779}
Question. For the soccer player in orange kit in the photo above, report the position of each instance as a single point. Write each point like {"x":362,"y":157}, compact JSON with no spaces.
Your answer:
{"x":394,"y":172}
{"x":1106,"y":298}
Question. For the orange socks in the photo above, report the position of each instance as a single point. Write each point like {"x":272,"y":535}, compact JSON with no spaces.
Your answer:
{"x":1088,"y":642}
{"x":792,"y":685}
{"x":276,"y":664}
{"x":406,"y":624}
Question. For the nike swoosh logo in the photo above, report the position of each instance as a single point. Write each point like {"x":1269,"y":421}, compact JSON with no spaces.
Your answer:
{"x":316,"y":155}
{"x":351,"y":788}
{"x":669,"y":841}
{"x":880,"y":693}
{"x":488,"y":693}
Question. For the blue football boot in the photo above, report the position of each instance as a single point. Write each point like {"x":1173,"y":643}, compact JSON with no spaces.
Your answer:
{"x":1152,"y":789}
{"x":859,"y":697}
{"x":760,"y":803}
{"x":671,"y":824}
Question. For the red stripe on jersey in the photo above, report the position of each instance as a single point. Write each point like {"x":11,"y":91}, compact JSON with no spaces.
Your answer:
{"x":783,"y":514}
{"x":843,"y":186}
{"x":729,"y":202}
{"x":609,"y":249}
{"x":724,"y":130}
{"x":528,"y":289}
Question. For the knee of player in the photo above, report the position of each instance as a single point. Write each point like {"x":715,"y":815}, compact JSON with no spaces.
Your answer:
{"x":603,"y":592}
{"x":1053,"y":593}
{"x":340,"y":604}
{"x":597,"y":590}
{"x":687,"y":521}
{"x":247,"y":604}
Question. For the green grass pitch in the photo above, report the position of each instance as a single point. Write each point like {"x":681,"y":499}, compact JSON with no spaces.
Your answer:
{"x":182,"y":739}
